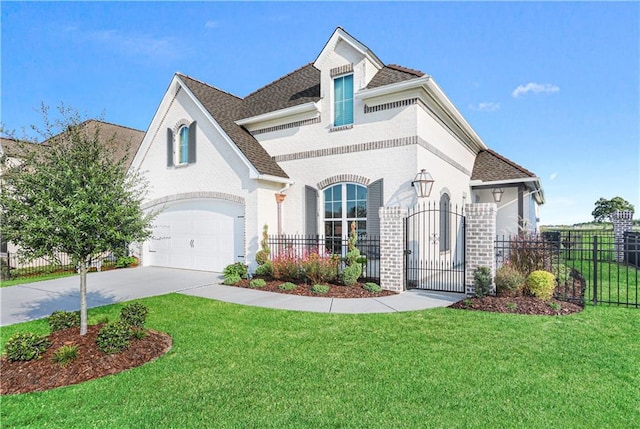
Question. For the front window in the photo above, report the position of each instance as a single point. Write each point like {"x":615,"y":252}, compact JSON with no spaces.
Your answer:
{"x":183,"y":148}
{"x":344,"y":204}
{"x":343,"y":100}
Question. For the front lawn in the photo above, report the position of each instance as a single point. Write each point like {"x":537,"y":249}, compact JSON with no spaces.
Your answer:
{"x":236,"y":366}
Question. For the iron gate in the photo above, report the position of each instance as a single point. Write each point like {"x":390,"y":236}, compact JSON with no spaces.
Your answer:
{"x":435,"y":248}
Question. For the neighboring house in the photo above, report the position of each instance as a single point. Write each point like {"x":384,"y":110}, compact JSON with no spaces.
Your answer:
{"x":122,"y":140}
{"x":324,"y":146}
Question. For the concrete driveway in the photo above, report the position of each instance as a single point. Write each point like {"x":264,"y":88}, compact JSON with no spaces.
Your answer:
{"x":36,"y":300}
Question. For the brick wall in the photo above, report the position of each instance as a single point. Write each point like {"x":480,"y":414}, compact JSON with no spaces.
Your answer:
{"x":392,"y":275}
{"x":481,"y":233}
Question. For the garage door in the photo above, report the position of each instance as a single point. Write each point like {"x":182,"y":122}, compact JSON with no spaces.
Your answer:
{"x":202,"y":235}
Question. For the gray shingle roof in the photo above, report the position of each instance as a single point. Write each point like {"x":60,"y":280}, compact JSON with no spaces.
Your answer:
{"x":490,"y":166}
{"x":298,"y":87}
{"x":123,"y":141}
{"x":393,"y":73}
{"x":226,"y":108}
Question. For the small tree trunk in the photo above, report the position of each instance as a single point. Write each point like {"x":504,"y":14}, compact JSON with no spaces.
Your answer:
{"x":83,"y":298}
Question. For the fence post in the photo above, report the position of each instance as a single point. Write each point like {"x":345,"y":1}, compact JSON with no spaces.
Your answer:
{"x":595,"y":270}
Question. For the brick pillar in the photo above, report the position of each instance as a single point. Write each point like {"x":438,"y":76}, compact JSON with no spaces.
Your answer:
{"x":481,"y":234}
{"x":622,"y":223}
{"x":392,"y":273}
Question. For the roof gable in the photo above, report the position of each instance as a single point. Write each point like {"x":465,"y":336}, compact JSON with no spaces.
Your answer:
{"x":490,"y":166}
{"x":340,"y":34}
{"x":225,"y":108}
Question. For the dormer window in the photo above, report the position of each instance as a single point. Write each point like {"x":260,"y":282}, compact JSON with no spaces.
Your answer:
{"x":343,"y":100}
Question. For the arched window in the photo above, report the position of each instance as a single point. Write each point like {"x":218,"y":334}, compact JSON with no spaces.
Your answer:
{"x":183,"y":146}
{"x":445,"y":223}
{"x":344,"y":203}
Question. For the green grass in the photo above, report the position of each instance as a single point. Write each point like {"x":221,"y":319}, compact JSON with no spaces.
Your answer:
{"x":24,"y":280}
{"x":233,"y":367}
{"x":615,"y":282}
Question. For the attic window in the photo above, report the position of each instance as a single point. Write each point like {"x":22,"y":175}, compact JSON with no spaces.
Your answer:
{"x":343,"y":100}
{"x":185,"y":145}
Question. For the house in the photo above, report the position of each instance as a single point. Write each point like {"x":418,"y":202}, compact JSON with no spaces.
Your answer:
{"x":323,"y":146}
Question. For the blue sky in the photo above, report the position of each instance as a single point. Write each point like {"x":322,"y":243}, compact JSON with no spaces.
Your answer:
{"x":552,"y":86}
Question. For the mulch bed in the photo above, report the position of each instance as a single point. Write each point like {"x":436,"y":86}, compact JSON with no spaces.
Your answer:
{"x":44,"y":374}
{"x":518,"y":305}
{"x":335,"y":291}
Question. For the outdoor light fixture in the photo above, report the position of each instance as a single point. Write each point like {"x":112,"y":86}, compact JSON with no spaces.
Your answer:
{"x":497,"y":194}
{"x":423,"y":183}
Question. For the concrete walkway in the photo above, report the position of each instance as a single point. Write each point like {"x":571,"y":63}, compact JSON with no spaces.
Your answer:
{"x":37,"y":300}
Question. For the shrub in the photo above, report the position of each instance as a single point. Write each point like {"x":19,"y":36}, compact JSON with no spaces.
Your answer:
{"x":286,"y":266}
{"x":262,"y":255}
{"x":353,"y":270}
{"x":125,"y":261}
{"x":320,"y":268}
{"x":237,"y":269}
{"x":351,"y":273}
{"x":65,"y":354}
{"x":509,"y":281}
{"x":541,"y":284}
{"x":320,"y":289}
{"x":372,"y":287}
{"x":265,"y":270}
{"x":114,"y":337}
{"x":134,"y":314}
{"x":231,"y":279}
{"x":60,"y":320}
{"x":26,"y":346}
{"x":257,"y":283}
{"x":529,"y":252}
{"x":287,"y":286}
{"x":482,"y":281}
{"x":138,"y":333}
{"x":562,"y":272}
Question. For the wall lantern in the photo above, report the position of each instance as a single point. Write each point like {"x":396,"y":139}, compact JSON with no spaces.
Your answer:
{"x":497,"y":194}
{"x":423,"y":184}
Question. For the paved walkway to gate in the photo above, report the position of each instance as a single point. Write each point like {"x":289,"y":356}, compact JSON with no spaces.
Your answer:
{"x":37,"y":300}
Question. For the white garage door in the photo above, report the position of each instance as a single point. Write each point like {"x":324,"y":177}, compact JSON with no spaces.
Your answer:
{"x":202,"y":235}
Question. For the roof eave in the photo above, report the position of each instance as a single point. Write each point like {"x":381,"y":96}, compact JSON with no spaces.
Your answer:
{"x":534,"y":183}
{"x":310,"y":107}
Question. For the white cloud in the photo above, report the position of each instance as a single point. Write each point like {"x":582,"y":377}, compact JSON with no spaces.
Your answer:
{"x":535,"y":88}
{"x":487,"y":106}
{"x":553,"y":176}
{"x":138,"y":44}
{"x":211,"y":24}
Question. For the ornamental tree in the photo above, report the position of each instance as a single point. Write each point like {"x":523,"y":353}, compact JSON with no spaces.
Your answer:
{"x":605,"y":208}
{"x":72,"y":194}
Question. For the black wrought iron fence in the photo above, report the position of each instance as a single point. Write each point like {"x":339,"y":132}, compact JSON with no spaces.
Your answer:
{"x":13,"y":266}
{"x":301,"y":245}
{"x":590,"y":265}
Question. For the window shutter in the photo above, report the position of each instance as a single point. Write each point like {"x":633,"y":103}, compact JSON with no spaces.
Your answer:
{"x":169,"y":147}
{"x":374,"y":202}
{"x":311,"y":210}
{"x":192,"y":143}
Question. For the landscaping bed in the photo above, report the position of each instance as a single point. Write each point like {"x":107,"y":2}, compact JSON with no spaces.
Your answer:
{"x":518,"y":305}
{"x":44,"y":374}
{"x":335,"y":290}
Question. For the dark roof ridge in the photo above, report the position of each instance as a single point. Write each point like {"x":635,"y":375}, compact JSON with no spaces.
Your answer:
{"x":111,"y":123}
{"x":406,"y":70}
{"x":279,"y":79}
{"x":206,"y":84}
{"x":513,"y":164}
